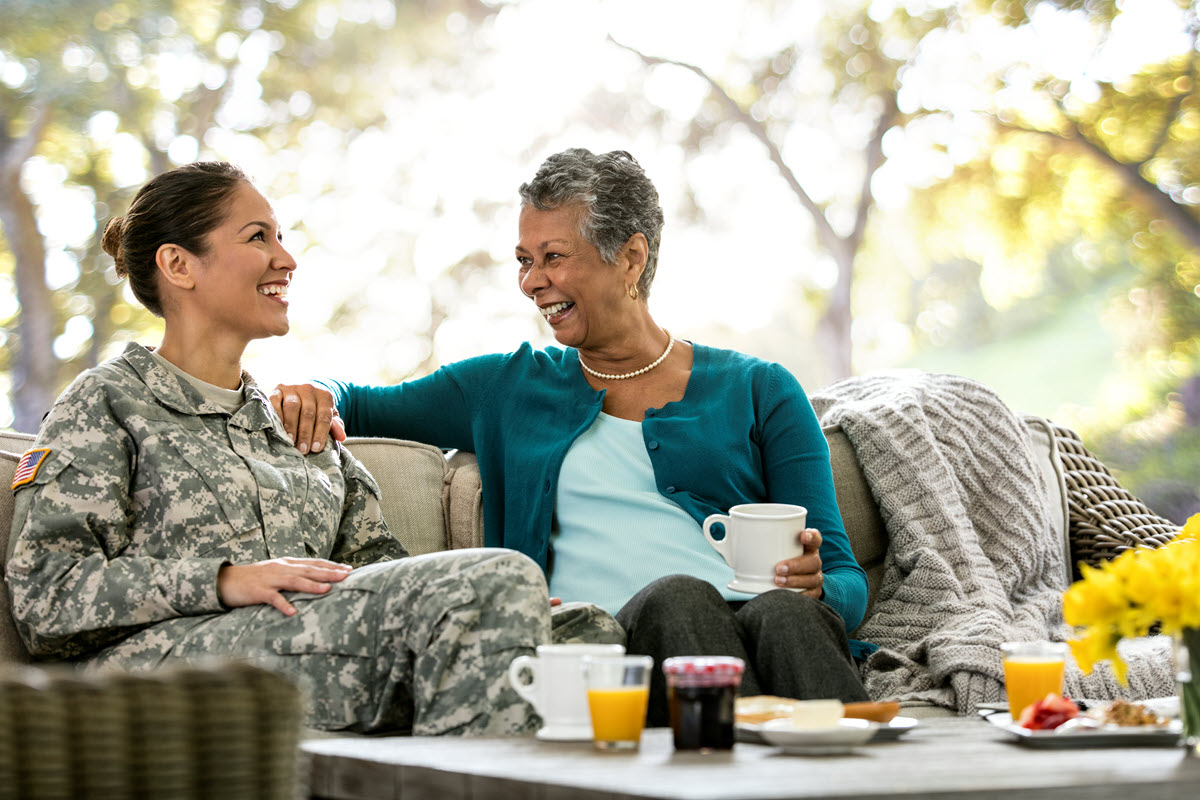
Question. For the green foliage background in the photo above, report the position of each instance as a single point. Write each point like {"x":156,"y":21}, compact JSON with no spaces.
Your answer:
{"x":1054,"y":256}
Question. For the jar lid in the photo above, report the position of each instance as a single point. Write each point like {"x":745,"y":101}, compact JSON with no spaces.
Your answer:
{"x":704,"y":669}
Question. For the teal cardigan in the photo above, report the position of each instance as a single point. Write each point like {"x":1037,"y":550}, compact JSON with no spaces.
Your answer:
{"x":744,"y":432}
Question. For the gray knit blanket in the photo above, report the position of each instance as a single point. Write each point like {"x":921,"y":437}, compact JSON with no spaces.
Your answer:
{"x":973,"y":558}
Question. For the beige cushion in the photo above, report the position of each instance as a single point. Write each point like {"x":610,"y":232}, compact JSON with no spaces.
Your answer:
{"x":14,"y":442}
{"x":414,"y":479}
{"x":11,"y":648}
{"x":1045,"y":453}
{"x":860,"y":515}
{"x":466,"y":501}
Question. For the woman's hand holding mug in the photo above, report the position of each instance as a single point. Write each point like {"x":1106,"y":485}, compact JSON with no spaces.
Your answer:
{"x":769,"y":547}
{"x":804,"y":571}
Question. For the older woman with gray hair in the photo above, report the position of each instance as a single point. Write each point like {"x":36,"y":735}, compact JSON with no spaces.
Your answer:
{"x":600,"y":459}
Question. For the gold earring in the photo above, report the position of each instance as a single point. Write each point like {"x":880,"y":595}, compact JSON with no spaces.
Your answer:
{"x":632,"y":290}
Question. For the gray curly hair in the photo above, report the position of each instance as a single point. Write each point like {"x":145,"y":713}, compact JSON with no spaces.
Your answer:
{"x":616,"y":198}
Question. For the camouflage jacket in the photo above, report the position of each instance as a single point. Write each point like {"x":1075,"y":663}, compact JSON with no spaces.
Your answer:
{"x":147,"y":490}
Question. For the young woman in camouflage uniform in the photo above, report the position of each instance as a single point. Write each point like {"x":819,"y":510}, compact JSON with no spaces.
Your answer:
{"x":166,"y":514}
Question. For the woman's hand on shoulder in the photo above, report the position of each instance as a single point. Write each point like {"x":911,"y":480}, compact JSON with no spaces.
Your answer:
{"x":308,"y":415}
{"x":264,"y":582}
{"x":804,"y":571}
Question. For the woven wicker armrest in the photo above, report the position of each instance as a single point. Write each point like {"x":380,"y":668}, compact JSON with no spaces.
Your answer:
{"x":1105,"y":518}
{"x":228,"y":731}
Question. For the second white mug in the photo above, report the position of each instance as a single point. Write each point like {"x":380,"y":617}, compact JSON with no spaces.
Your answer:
{"x":757,"y":537}
{"x":556,"y":688}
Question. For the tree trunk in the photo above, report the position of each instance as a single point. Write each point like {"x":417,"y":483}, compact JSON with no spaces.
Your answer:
{"x":834,"y":326}
{"x":35,"y":368}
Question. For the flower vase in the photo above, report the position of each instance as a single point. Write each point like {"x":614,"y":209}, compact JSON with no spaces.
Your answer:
{"x":1187,"y":673}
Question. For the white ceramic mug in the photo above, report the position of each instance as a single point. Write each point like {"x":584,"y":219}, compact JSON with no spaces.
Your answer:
{"x":556,"y":688}
{"x":757,"y":537}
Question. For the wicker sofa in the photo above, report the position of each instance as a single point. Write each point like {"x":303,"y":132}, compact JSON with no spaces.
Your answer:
{"x":433,"y":502}
{"x":168,"y":735}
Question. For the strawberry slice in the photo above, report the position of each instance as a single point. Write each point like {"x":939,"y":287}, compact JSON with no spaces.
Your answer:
{"x":1048,"y":713}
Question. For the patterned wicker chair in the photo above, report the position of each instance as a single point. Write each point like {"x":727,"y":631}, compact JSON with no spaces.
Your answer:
{"x":1105,"y":518}
{"x":228,"y":731}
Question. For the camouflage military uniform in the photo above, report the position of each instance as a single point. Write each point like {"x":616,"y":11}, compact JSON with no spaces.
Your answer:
{"x":148,"y":489}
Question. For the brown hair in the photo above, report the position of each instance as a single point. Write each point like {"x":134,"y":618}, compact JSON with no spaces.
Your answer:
{"x":180,"y":207}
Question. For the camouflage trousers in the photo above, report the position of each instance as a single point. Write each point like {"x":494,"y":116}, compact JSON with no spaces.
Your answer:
{"x":419,"y":645}
{"x":584,"y":623}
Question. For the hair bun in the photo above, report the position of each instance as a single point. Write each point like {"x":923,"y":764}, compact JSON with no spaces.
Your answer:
{"x":111,"y":243}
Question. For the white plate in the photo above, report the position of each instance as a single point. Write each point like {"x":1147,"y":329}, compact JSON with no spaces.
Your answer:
{"x":566,"y":733}
{"x":751,"y":732}
{"x":894,"y":729}
{"x":1166,"y":735}
{"x":838,"y":738}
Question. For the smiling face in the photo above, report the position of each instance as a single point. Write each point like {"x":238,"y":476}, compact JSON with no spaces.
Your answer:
{"x":582,"y":298}
{"x":241,"y":286}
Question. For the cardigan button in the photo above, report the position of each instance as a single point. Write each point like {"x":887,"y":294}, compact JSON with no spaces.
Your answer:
{"x":670,"y":490}
{"x":653,"y":445}
{"x":547,"y":487}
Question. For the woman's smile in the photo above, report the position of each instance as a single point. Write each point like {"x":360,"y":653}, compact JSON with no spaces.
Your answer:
{"x":557,"y":312}
{"x":276,"y":291}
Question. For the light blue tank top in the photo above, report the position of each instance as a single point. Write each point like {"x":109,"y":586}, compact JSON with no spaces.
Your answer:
{"x":614,"y":532}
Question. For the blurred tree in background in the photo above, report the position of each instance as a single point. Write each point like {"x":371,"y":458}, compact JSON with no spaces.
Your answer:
{"x":1094,"y":184}
{"x":87,"y":82}
{"x":1047,"y":191}
{"x":962,"y":185}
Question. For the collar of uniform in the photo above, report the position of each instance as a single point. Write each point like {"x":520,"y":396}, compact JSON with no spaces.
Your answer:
{"x":168,"y":388}
{"x":175,"y":393}
{"x":256,"y":414}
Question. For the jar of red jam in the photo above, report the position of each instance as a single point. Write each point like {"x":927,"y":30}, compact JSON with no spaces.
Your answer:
{"x":700,"y":695}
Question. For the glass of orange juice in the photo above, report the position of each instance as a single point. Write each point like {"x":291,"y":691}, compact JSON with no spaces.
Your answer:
{"x":1032,"y":670}
{"x":618,"y":689}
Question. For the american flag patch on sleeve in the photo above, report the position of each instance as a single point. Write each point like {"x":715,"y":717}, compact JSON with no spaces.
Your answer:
{"x":29,"y":465}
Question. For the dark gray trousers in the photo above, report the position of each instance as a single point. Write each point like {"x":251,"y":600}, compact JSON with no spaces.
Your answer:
{"x":793,"y":645}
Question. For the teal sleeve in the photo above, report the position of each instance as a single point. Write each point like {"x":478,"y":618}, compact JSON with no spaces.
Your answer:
{"x":438,"y":409}
{"x":796,"y":466}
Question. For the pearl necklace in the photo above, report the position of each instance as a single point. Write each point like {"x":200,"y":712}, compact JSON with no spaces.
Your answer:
{"x":635,"y":373}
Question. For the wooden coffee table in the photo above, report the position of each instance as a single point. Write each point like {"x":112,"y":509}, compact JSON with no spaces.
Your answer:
{"x":942,"y":758}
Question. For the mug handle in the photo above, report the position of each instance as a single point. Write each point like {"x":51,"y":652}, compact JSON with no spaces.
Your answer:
{"x":527,"y":690}
{"x":722,"y":546}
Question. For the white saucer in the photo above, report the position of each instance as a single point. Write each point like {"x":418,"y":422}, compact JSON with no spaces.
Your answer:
{"x":751,"y":587}
{"x":565,"y":733}
{"x":838,"y":738}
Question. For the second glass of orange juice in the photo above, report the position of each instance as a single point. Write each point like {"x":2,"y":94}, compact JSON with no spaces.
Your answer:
{"x":1032,"y":670}
{"x":618,"y":689}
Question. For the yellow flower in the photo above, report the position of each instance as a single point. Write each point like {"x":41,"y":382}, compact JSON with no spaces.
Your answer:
{"x":1095,"y":645}
{"x":1191,"y":528}
{"x":1127,"y":596}
{"x":1142,"y":581}
{"x":1096,"y":599}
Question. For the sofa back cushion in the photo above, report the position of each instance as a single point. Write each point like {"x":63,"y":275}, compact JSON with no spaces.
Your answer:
{"x":860,"y":515}
{"x":1044,"y":444}
{"x":466,"y":501}
{"x":414,"y":479}
{"x":12,"y":446}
